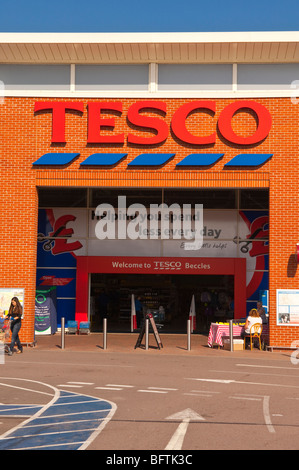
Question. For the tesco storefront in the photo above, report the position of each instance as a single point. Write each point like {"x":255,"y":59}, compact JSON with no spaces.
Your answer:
{"x":154,"y":132}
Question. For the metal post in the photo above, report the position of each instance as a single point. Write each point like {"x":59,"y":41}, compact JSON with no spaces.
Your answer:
{"x":231,"y":335}
{"x":146,"y":333}
{"x":62,"y":333}
{"x":189,"y":335}
{"x":105,"y":333}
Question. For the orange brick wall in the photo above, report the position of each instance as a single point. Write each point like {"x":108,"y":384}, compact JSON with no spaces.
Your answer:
{"x":26,"y":136}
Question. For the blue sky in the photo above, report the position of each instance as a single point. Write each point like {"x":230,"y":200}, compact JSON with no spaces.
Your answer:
{"x":151,"y":16}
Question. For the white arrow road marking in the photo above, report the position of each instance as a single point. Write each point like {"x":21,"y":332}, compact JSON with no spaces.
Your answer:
{"x":260,"y":384}
{"x":176,"y":442}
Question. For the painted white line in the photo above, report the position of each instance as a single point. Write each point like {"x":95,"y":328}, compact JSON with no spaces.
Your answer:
{"x":246,"y":398}
{"x":267,"y":367}
{"x":251,"y":395}
{"x":176,"y":441}
{"x":118,"y":385}
{"x":152,"y":391}
{"x":100,"y":428}
{"x":198,"y":395}
{"x":266,"y":410}
{"x":50,"y":445}
{"x":25,"y":405}
{"x":71,"y":394}
{"x":214,"y":380}
{"x":255,"y":373}
{"x":82,"y":383}
{"x":108,"y":388}
{"x":52,"y":433}
{"x":18,"y":408}
{"x":73,"y":414}
{"x":69,"y":385}
{"x":39,"y":412}
{"x":260,"y":384}
{"x":64,"y":422}
{"x":75,"y":402}
{"x":162,"y":388}
{"x":26,"y":389}
{"x":74,"y":364}
{"x":9,"y":415}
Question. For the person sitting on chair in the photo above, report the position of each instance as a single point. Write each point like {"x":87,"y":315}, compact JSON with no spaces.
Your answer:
{"x":261,"y":311}
{"x":253,"y":317}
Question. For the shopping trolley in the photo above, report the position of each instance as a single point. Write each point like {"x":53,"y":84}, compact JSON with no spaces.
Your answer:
{"x":4,"y":333}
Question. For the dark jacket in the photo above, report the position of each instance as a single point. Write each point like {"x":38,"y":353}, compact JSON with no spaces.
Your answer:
{"x":17,"y":316}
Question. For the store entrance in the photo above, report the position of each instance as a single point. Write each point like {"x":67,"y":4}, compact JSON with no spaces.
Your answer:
{"x":168,"y":296}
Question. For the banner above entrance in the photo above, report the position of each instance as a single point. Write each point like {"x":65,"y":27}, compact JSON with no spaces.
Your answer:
{"x":156,"y":265}
{"x":147,"y":265}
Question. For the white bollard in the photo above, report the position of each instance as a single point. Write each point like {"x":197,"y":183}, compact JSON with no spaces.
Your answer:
{"x":231,"y":335}
{"x":105,"y":333}
{"x":189,"y":335}
{"x":62,"y":333}
{"x":146,"y":333}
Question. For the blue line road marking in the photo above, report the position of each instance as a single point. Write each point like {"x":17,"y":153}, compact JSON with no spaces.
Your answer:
{"x":71,"y":422}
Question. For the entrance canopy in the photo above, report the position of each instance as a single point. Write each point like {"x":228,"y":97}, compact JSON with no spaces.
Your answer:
{"x":149,"y":265}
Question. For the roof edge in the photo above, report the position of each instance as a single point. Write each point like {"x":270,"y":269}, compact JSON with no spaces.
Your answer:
{"x":180,"y":37}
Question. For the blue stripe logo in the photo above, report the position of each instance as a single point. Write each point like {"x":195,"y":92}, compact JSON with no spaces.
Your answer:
{"x":200,"y":159}
{"x":103,"y":159}
{"x":56,"y":158}
{"x":151,"y":159}
{"x":154,"y":159}
{"x":249,"y":159}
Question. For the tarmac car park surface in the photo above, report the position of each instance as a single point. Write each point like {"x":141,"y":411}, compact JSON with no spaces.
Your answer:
{"x":127,"y":399}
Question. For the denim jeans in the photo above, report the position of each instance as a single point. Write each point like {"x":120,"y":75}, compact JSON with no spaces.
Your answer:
{"x":15,"y":328}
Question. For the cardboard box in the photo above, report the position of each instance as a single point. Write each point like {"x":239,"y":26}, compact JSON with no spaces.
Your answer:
{"x":238,"y":344}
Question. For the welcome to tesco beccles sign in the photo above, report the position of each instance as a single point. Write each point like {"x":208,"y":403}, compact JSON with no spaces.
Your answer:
{"x":138,"y":116}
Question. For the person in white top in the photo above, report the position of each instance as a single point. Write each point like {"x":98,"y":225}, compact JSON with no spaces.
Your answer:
{"x":253,"y":317}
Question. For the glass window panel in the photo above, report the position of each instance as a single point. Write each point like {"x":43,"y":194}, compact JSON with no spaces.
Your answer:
{"x":133,"y":196}
{"x":210,"y":198}
{"x":267,"y":76}
{"x":195,"y":77}
{"x":112,"y":77}
{"x":35,"y":77}
{"x":60,"y":197}
{"x":254,"y":199}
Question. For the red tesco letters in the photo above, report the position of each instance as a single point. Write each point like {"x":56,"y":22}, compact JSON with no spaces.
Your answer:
{"x":58,"y":115}
{"x":138,"y":119}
